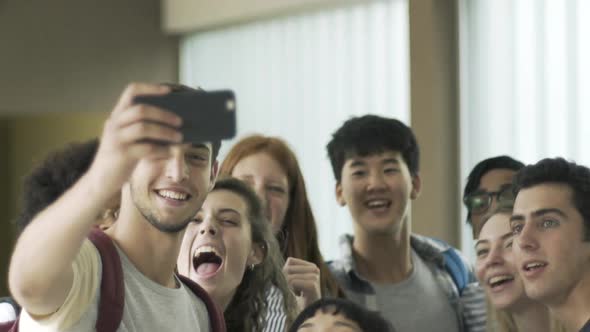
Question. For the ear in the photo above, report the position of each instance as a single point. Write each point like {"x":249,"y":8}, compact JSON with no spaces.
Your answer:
{"x":257,"y":254}
{"x":339,"y":196}
{"x":416,"y":186}
{"x":213,"y":175}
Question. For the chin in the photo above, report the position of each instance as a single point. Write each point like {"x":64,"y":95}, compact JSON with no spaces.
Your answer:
{"x":504,"y":304}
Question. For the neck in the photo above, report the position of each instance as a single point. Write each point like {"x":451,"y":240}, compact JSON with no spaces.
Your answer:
{"x":532,"y":317}
{"x":383,"y":257}
{"x":573,"y":309}
{"x":223,"y":301}
{"x":151,"y":251}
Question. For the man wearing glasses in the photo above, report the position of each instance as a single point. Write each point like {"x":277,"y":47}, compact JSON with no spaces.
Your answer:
{"x":488,"y":184}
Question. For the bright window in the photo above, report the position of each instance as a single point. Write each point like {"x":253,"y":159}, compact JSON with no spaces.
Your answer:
{"x":525,"y":81}
{"x":300,"y":77}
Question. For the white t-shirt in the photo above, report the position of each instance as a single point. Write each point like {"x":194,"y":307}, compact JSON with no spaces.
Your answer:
{"x":7,"y":313}
{"x":148,"y":306}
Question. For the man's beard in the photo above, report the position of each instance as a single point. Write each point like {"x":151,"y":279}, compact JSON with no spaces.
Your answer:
{"x":151,"y":217}
{"x":164,"y":228}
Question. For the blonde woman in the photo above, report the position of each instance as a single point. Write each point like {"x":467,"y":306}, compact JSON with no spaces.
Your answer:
{"x":509,"y":309}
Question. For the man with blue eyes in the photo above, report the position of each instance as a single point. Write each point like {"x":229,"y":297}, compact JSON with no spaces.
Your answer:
{"x":551,"y":224}
{"x":162,"y":181}
{"x":385,"y":267}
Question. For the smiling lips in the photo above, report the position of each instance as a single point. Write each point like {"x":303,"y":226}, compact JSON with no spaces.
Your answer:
{"x":377,"y":204}
{"x":207,"y":261}
{"x":532,"y":269}
{"x":173,"y":195}
{"x":496,"y":282}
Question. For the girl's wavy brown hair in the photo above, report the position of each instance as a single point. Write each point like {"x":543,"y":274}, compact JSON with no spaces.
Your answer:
{"x":248,"y":307}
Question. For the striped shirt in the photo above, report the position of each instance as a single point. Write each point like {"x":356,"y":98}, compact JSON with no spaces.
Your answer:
{"x":275,"y":314}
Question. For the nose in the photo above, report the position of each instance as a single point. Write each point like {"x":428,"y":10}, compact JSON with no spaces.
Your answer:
{"x":260,"y":190}
{"x":176,"y":167}
{"x":375,"y":181}
{"x":208,"y":227}
{"x":495,"y":257}
{"x":526,"y":239}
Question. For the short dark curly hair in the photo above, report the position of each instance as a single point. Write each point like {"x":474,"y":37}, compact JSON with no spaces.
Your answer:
{"x":559,"y":170}
{"x":53,"y":176}
{"x":371,"y":134}
{"x":368,"y":321}
{"x":482,"y":168}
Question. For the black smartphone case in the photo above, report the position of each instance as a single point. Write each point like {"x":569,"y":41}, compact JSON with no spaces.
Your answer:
{"x":207,"y":116}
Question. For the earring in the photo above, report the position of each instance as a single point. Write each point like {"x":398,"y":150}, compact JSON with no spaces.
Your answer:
{"x":252,"y":266}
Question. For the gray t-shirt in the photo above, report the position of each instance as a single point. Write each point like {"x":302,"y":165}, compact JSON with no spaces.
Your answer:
{"x":417,"y":303}
{"x":148,"y":306}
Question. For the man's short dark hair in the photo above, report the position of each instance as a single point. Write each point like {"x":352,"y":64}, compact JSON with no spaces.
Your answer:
{"x":559,"y":170}
{"x":483,"y":167}
{"x":372,"y":134}
{"x":176,"y":87}
{"x":366,"y":320}
{"x":52,"y":177}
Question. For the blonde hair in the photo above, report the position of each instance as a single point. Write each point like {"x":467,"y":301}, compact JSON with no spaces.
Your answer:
{"x":502,"y":321}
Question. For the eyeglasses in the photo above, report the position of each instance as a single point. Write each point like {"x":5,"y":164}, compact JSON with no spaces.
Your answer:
{"x":480,"y":201}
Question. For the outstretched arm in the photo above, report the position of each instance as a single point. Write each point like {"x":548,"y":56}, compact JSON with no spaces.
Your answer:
{"x":41,"y":275}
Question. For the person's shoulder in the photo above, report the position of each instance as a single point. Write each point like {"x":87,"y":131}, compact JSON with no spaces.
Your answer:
{"x":432,"y":245}
{"x":9,"y":310}
{"x":344,"y":263}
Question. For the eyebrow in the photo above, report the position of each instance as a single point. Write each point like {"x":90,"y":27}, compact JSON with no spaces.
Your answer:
{"x":305,"y":325}
{"x":199,"y":146}
{"x":356,"y":163}
{"x":343,"y":323}
{"x":390,"y":161}
{"x":503,"y":237}
{"x":225,"y":210}
{"x":539,"y":213}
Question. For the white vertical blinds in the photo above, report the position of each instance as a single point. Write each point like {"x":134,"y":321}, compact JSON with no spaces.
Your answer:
{"x":300,"y":77}
{"x":525,"y":81}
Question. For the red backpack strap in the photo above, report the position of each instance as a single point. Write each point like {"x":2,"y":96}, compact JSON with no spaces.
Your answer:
{"x":112,"y":286}
{"x":215,"y":314}
{"x":11,"y":326}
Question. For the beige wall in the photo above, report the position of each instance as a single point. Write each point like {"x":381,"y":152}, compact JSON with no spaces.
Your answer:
{"x":6,"y":234}
{"x":25,"y":141}
{"x":435,"y":116}
{"x":68,"y":56}
{"x":180,"y":16}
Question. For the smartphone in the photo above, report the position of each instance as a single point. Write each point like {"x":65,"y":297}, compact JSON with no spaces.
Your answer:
{"x":207,"y":116}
